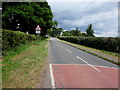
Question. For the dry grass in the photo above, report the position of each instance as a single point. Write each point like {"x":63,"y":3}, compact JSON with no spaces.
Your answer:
{"x":25,"y":68}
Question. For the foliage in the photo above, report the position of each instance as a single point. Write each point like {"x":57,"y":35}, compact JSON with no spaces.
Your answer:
{"x":90,"y":31}
{"x":66,"y":33}
{"x":103,"y":43}
{"x":55,"y":32}
{"x":25,"y":16}
{"x":55,"y":24}
{"x":76,"y":32}
{"x":12,"y":39}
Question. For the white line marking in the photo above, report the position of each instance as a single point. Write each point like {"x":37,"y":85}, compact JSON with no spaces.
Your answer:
{"x":52,"y":77}
{"x":61,"y":46}
{"x":85,"y":64}
{"x":68,"y":50}
{"x":106,"y":67}
{"x":88,"y":64}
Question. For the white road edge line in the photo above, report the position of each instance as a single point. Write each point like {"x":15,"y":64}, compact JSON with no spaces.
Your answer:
{"x":52,"y":77}
{"x":93,"y":65}
{"x":106,"y":67}
{"x":68,"y":50}
{"x":88,"y":64}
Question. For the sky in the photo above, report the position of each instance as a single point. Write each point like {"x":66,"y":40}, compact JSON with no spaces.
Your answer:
{"x":73,"y":13}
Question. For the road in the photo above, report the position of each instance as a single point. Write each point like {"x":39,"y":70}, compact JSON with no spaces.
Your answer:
{"x":73,"y":68}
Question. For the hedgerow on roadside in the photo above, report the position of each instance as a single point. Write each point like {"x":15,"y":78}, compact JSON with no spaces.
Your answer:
{"x":12,"y":39}
{"x":111,"y":44}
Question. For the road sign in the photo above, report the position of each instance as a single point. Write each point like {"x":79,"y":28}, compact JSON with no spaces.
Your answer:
{"x":38,"y":32}
{"x":38,"y":29}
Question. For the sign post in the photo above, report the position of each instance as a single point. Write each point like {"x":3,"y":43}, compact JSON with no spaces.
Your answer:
{"x":38,"y":31}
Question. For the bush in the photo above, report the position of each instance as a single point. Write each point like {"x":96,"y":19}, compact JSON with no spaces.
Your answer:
{"x":11,"y":39}
{"x":111,"y":44}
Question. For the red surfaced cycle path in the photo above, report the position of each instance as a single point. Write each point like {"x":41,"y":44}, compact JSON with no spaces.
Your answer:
{"x":83,"y":76}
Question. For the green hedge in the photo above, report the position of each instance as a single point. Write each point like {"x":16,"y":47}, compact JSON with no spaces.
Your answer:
{"x":11,"y":39}
{"x":111,"y":44}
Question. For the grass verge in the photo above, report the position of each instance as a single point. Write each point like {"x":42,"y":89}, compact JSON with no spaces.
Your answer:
{"x":22,"y":68}
{"x":88,"y":50}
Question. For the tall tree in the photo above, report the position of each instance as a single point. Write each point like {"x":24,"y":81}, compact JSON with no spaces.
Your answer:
{"x":76,"y":32}
{"x":67,"y":33}
{"x":55,"y":31}
{"x":55,"y":24}
{"x":25,"y":16}
{"x":90,"y":31}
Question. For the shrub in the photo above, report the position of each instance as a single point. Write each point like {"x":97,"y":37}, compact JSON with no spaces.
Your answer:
{"x":11,"y":39}
{"x":111,"y":44}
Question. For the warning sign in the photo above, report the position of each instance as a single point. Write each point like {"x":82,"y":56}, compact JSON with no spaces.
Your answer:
{"x":38,"y":28}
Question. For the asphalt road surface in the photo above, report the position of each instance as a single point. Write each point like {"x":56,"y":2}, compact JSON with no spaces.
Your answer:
{"x":73,"y":68}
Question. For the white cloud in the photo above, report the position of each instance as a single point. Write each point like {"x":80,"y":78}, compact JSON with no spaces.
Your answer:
{"x":108,"y":34}
{"x":99,"y":24}
{"x":103,"y":16}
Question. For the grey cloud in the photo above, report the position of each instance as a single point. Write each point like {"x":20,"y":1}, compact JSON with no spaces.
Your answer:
{"x":102,"y":15}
